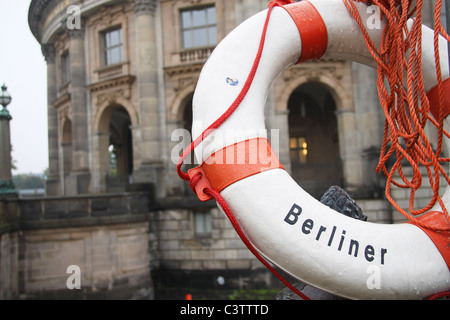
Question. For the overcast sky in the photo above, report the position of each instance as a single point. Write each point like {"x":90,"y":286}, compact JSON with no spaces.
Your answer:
{"x":23,"y":70}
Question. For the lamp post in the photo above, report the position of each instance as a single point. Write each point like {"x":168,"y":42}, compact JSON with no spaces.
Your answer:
{"x":6,"y":184}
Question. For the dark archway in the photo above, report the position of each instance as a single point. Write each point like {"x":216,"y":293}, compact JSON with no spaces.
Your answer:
{"x":313,"y":138}
{"x":120,"y":149}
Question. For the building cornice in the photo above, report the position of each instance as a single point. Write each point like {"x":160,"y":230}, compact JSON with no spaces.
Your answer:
{"x":111,"y":83}
{"x":49,"y":52}
{"x":35,"y":13}
{"x":47,"y":17}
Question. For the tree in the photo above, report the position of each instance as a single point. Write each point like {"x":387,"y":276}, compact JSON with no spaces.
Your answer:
{"x":28,"y":181}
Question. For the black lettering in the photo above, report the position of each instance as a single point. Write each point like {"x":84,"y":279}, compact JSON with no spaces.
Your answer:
{"x":307,"y":226}
{"x":369,"y":252}
{"x":342,"y":240}
{"x":332,"y":236}
{"x":321,"y":229}
{"x":293,"y":214}
{"x":353,"y":243}
{"x":383,"y":252}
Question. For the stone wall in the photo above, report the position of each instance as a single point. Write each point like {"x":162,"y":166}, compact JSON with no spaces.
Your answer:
{"x":180,"y":247}
{"x":9,"y":264}
{"x":376,"y":210}
{"x":105,"y":237}
{"x":422,"y":196}
{"x":113,"y":260}
{"x":122,"y":244}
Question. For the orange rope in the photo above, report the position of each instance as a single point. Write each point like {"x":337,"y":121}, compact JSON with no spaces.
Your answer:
{"x":216,"y":124}
{"x":405,"y":104}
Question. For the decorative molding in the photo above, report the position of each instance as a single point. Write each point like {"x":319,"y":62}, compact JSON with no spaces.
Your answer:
{"x":183,"y":69}
{"x":193,"y":2}
{"x":76,"y":33}
{"x":49,"y":52}
{"x":110,"y":97}
{"x":184,"y":82}
{"x":145,"y":7}
{"x":64,"y":113}
{"x":313,"y":70}
{"x":64,"y":99}
{"x":104,"y":85}
{"x":106,"y":16}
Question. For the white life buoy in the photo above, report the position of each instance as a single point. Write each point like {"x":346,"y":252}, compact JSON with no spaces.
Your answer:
{"x":285,"y":224}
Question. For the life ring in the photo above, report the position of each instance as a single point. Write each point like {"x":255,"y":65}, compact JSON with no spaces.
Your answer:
{"x":285,"y":224}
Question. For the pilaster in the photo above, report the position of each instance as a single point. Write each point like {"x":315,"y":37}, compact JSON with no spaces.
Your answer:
{"x":52,"y":184}
{"x":80,"y":175}
{"x":151,"y":165}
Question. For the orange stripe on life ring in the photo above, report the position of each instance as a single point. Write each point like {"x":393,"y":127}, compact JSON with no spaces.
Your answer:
{"x":441,"y":239}
{"x":311,"y":27}
{"x":433,"y":98}
{"x":233,"y":163}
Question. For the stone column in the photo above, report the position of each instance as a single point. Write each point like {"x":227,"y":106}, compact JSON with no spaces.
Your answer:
{"x":53,"y":184}
{"x":100,"y":141}
{"x":80,"y":175}
{"x":369,"y":125}
{"x":244,"y":9}
{"x":281,"y":120}
{"x":151,"y":165}
{"x":349,"y":151}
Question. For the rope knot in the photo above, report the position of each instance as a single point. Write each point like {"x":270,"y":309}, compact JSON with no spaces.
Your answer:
{"x":194,"y":180}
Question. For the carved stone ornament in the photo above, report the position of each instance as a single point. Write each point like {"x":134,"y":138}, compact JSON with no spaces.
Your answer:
{"x":49,"y":52}
{"x":184,"y":83}
{"x":111,"y":96}
{"x":145,"y":6}
{"x":76,"y":33}
{"x":193,"y":2}
{"x":314,"y":70}
{"x":65,"y":113}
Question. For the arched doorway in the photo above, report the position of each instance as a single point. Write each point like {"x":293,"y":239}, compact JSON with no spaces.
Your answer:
{"x":313,"y":138}
{"x":119,"y":149}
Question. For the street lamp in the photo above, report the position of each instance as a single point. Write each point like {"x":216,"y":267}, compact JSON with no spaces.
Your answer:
{"x":6,"y":185}
{"x":5,"y":99}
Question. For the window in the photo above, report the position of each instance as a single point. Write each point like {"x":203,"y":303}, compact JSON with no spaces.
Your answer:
{"x":202,"y":223}
{"x":198,"y":27}
{"x":65,"y":68}
{"x":112,"y":46}
{"x":299,"y":149}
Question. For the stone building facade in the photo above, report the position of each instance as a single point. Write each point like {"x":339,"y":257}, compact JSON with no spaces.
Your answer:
{"x":120,"y":78}
{"x":121,"y":82}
